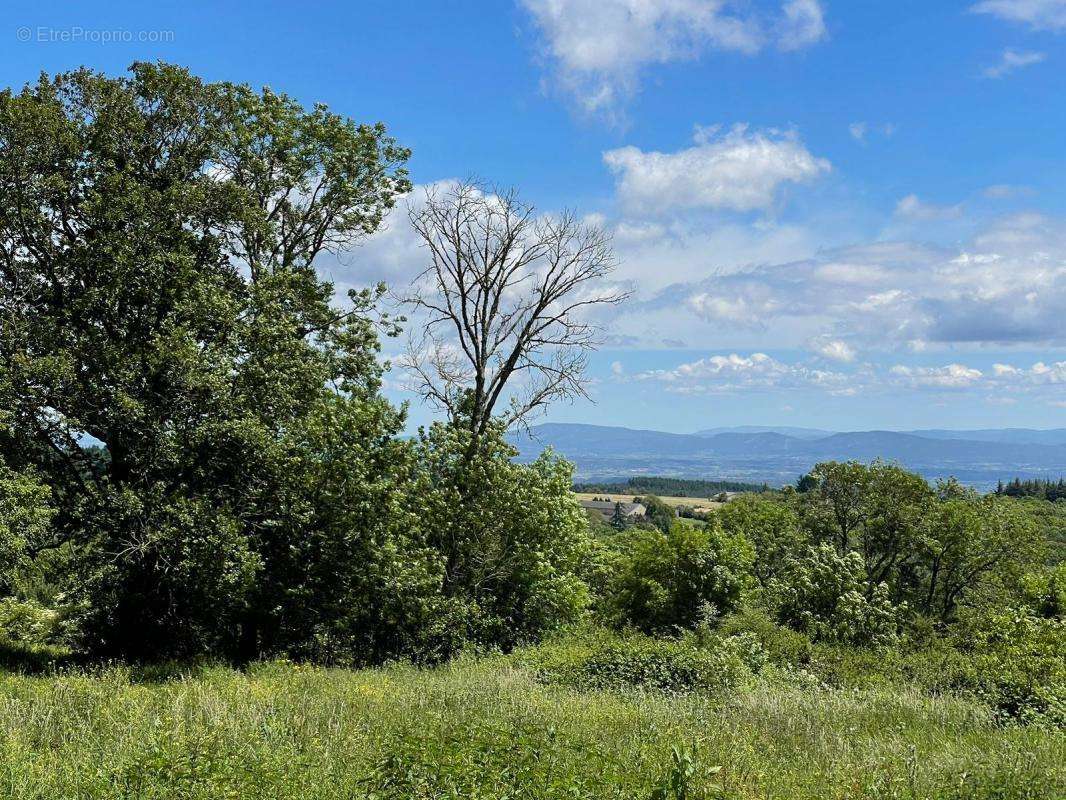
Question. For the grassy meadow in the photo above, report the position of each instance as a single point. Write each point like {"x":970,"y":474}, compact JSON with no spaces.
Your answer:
{"x":491,"y":728}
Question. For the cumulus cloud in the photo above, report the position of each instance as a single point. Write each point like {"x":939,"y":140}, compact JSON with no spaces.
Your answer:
{"x":599,"y":48}
{"x":739,"y":170}
{"x":833,"y":349}
{"x":1012,"y":60}
{"x":1048,"y":373}
{"x":734,"y":372}
{"x":1040,"y":374}
{"x":1007,"y":286}
{"x":950,"y":376}
{"x":1038,"y":14}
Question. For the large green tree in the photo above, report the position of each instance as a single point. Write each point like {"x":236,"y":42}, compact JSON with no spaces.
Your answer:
{"x":513,"y":539}
{"x":159,"y":298}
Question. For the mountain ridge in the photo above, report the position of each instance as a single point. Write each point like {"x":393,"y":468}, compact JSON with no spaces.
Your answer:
{"x":754,"y":453}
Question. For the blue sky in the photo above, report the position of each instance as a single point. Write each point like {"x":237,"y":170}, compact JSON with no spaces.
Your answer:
{"x":844,"y":215}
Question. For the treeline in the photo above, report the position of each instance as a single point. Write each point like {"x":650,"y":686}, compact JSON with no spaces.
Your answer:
{"x":1044,"y":489}
{"x":669,"y":487}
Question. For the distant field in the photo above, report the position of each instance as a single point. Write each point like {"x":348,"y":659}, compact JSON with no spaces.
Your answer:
{"x":698,"y":503}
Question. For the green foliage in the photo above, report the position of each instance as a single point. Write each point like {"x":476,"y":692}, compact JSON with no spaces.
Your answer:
{"x":658,"y":513}
{"x":512,"y":538}
{"x":1045,"y":591}
{"x":160,"y":296}
{"x":1018,"y":663}
{"x":771,"y":527}
{"x":27,"y":623}
{"x":598,"y":660}
{"x":25,"y":522}
{"x":973,"y":546}
{"x":670,"y":580}
{"x":822,"y":594}
{"x":783,"y":646}
{"x":486,"y":729}
{"x":934,"y":550}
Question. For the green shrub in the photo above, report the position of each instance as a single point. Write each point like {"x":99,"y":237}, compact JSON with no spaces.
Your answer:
{"x":783,"y":646}
{"x":513,"y":541}
{"x":30,"y":635}
{"x":27,"y":623}
{"x":599,"y":660}
{"x":823,"y":594}
{"x":667,"y":581}
{"x":1018,"y":663}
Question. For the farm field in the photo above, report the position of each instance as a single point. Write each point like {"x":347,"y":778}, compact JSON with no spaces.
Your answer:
{"x":491,"y":729}
{"x":697,"y":503}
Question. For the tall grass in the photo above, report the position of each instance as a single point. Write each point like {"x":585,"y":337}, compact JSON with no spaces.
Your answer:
{"x":489,"y":729}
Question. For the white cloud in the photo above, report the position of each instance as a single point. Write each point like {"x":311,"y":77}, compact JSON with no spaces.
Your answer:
{"x":913,"y":208}
{"x":1048,"y":373}
{"x":683,"y":247}
{"x":1012,"y":60}
{"x":802,"y":24}
{"x":1006,"y":191}
{"x":740,"y":170}
{"x":600,"y":47}
{"x":734,"y":372}
{"x":833,"y":349}
{"x":1006,"y":286}
{"x":1040,"y":374}
{"x":745,"y":309}
{"x":951,"y":376}
{"x":617,"y":368}
{"x":1038,"y":14}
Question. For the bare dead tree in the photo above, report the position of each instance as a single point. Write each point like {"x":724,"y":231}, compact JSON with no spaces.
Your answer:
{"x":504,"y":305}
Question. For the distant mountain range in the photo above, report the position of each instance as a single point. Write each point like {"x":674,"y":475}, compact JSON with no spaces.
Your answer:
{"x":779,"y":455}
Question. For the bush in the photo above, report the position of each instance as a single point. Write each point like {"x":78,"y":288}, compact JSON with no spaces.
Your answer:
{"x":27,"y":623}
{"x":513,"y":541}
{"x":783,"y":646}
{"x":668,"y":580}
{"x":1018,"y":663}
{"x":30,"y":635}
{"x":822,"y":595}
{"x":599,"y":660}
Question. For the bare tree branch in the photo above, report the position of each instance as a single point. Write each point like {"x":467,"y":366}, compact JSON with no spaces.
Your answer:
{"x":505,"y":305}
